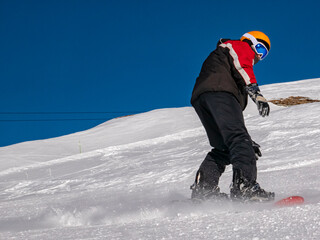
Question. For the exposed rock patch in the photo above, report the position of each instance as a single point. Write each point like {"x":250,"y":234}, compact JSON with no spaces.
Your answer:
{"x":290,"y":101}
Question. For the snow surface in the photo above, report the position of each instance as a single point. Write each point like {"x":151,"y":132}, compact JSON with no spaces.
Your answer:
{"x":124,"y":178}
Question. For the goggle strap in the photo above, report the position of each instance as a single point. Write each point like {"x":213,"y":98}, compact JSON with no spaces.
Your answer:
{"x":252,"y":38}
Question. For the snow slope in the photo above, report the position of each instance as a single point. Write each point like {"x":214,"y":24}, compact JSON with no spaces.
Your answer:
{"x":121,"y":179}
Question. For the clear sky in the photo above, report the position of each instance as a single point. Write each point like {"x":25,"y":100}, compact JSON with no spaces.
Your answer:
{"x":66,"y":62}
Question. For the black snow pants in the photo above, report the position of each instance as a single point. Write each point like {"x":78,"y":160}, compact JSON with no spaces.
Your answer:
{"x":222,"y":118}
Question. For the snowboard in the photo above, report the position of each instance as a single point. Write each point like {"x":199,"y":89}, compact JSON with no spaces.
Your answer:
{"x":289,"y":201}
{"x":284,"y":202}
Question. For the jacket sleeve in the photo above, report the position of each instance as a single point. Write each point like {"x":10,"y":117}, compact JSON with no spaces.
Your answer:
{"x":241,"y":61}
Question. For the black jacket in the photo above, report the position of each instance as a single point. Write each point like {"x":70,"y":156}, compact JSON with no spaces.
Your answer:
{"x":229,"y":68}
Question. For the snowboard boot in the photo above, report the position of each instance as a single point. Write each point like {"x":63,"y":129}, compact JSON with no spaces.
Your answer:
{"x":203,"y":191}
{"x":250,"y":192}
{"x":243,"y":190}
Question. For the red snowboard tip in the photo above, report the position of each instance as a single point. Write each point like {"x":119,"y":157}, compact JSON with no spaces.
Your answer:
{"x":289,"y":201}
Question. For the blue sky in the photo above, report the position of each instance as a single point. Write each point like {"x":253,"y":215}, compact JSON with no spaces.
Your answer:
{"x":62,"y":60}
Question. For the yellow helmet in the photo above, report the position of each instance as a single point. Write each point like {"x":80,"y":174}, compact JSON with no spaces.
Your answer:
{"x":260,"y":42}
{"x":260,"y":36}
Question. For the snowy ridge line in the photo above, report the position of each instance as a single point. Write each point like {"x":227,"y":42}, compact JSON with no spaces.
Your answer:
{"x":306,"y":83}
{"x":109,"y":151}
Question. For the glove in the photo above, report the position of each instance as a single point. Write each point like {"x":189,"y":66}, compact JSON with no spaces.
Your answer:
{"x":256,"y":148}
{"x":262,"y":104}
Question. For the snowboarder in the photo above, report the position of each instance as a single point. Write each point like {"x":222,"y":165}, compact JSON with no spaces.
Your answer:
{"x":219,"y":96}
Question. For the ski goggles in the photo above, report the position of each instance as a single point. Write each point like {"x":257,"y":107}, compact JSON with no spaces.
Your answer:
{"x":258,"y":47}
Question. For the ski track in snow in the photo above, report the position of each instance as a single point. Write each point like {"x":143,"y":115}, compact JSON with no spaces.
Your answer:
{"x":138,"y":189}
